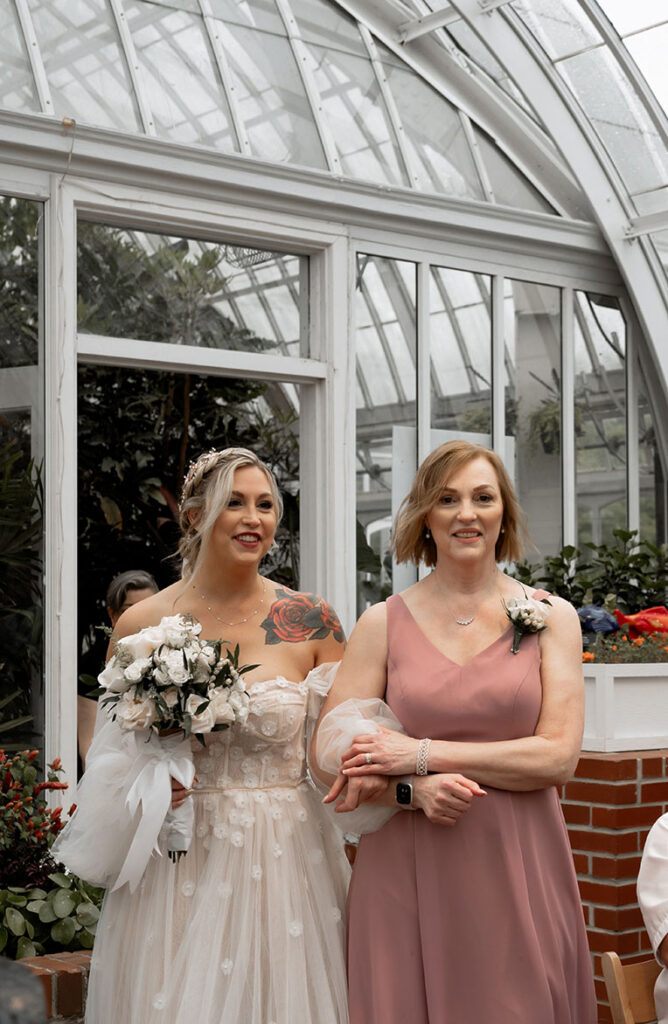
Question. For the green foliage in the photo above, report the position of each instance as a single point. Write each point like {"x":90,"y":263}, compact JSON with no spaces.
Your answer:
{"x":621,"y":648}
{"x":627,"y":574}
{"x":19,"y":269}
{"x":42,"y":910}
{"x":20,"y":596}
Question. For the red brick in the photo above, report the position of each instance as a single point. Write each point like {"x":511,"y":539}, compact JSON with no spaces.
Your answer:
{"x":591,"y":792}
{"x":584,"y":841}
{"x":68,"y":986}
{"x":616,"y":867}
{"x":624,"y":817}
{"x":623,"y":943}
{"x":577,"y":814}
{"x":651,"y":792}
{"x":610,"y":767}
{"x":46,"y":979}
{"x":606,"y":894}
{"x":652,"y":767}
{"x":619,"y":919}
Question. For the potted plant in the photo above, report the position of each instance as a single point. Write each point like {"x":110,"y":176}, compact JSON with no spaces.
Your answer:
{"x":42,"y":909}
{"x":625,"y":669}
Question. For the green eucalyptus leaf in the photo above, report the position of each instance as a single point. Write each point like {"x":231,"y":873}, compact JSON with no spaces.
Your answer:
{"x":63,"y":903}
{"x":15,"y":921}
{"x":34,"y":906}
{"x":46,"y":914}
{"x":61,"y":880}
{"x":63,"y":931}
{"x":87,"y":914}
{"x":36,"y":894}
{"x":3,"y":937}
{"x":14,"y":900}
{"x":25,"y":947}
{"x":86,"y":939}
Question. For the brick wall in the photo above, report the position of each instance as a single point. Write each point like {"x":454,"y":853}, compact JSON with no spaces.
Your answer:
{"x":64,"y":978}
{"x":609,"y":807}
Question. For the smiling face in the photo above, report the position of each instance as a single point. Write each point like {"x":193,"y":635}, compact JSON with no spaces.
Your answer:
{"x":244,"y":530}
{"x":467,"y":517}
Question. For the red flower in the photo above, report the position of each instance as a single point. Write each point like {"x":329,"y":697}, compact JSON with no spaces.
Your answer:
{"x":72,"y":809}
{"x":285,"y":621}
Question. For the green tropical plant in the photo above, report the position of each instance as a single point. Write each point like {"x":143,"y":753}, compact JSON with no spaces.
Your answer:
{"x":42,"y":909}
{"x":20,"y":591}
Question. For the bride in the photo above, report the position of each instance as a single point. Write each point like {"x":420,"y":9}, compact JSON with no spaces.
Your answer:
{"x":247,"y":927}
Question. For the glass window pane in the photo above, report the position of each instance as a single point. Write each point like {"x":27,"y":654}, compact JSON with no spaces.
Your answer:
{"x":187,"y":292}
{"x":84,"y":63}
{"x":600,"y":417}
{"x":461,"y":355}
{"x":260,"y":14}
{"x":509,"y":185}
{"x":627,"y":17}
{"x":270,"y":94}
{"x":356,"y":116}
{"x":533,"y":407}
{"x":649,"y":49}
{"x":17,"y":89}
{"x":433,"y":133}
{"x":21,"y":475}
{"x":386,"y":411}
{"x":561,"y":26}
{"x":184,"y":90}
{"x":321,"y":23}
{"x":619,"y":117}
{"x":652,"y":468}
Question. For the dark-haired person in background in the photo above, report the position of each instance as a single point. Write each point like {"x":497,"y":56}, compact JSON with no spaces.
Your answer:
{"x":126,"y":589}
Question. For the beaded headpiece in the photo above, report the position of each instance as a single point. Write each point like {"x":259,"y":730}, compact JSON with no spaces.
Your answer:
{"x":197,"y":470}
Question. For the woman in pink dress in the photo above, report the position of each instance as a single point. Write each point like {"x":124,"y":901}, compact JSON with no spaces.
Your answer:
{"x":464,"y":906}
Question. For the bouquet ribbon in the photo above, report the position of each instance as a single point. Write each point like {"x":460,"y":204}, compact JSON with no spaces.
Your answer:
{"x":151,"y":796}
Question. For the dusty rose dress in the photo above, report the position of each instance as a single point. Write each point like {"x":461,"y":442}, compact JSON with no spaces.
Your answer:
{"x":480,"y":923}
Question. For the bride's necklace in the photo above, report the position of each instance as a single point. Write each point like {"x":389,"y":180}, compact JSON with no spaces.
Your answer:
{"x":239,"y":622}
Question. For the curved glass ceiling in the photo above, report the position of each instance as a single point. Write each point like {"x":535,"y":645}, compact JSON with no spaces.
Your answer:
{"x":285,"y":81}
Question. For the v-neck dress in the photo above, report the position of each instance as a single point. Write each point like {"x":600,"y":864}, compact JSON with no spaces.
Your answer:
{"x":480,"y":923}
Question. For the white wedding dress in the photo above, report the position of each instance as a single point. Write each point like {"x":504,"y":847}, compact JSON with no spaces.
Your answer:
{"x":248,"y":926}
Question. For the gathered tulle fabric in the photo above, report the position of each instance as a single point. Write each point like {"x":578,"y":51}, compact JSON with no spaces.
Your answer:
{"x":247,"y":927}
{"x":336,"y":732}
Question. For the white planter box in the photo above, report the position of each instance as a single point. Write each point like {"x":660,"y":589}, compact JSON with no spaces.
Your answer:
{"x":626,"y":707}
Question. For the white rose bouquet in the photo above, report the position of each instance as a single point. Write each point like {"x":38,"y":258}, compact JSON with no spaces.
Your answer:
{"x":527,"y":616}
{"x":162,"y":680}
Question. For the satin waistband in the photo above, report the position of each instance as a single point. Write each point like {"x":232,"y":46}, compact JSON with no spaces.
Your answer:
{"x":247,"y":789}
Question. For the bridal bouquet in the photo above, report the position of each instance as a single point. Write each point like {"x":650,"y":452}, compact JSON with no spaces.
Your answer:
{"x":164,"y":677}
{"x":163,"y":681}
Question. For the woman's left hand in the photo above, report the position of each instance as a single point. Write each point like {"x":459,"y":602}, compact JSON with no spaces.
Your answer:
{"x":385,"y":752}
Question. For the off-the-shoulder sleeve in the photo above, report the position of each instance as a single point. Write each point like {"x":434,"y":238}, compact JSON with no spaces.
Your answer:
{"x":336,"y":733}
{"x":122,"y":801}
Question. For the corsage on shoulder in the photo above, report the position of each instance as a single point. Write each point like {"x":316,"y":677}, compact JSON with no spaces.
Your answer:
{"x":527,"y":616}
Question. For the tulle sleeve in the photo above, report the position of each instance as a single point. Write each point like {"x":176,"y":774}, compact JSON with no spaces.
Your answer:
{"x":653,"y":883}
{"x":336,"y":733}
{"x":122,"y":801}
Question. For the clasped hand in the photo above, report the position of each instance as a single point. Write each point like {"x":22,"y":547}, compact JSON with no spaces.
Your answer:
{"x":389,"y":753}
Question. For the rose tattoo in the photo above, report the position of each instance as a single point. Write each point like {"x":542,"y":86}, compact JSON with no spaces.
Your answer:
{"x":294,"y":617}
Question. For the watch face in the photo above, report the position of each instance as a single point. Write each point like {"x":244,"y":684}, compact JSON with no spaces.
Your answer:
{"x":404,"y":792}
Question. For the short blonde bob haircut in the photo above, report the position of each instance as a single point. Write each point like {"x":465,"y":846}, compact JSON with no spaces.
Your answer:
{"x":410,"y":542}
{"x":207,"y":489}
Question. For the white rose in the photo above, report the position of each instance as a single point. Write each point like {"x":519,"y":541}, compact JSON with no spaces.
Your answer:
{"x":171,"y":663}
{"x":240,"y":704}
{"x":135,"y":714}
{"x":209,"y":654}
{"x":137,"y":670}
{"x":170,"y":696}
{"x":222,"y":709}
{"x":143,"y":643}
{"x":112,"y":677}
{"x":205,"y":721}
{"x":175,"y":638}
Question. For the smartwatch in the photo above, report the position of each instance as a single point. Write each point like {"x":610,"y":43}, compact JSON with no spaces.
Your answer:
{"x":404,"y":794}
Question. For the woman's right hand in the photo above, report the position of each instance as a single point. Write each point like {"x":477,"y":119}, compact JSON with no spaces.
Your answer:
{"x":444,"y":798}
{"x":356,"y":791}
{"x":179,"y":793}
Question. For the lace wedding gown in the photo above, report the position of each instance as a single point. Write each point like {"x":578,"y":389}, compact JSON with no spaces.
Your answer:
{"x":247,"y":927}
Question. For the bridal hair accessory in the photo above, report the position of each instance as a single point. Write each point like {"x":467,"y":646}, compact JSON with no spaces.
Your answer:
{"x":197,"y":470}
{"x":527,"y":616}
{"x":250,"y":615}
{"x":422,"y":759}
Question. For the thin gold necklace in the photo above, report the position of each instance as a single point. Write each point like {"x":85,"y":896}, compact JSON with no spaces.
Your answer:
{"x":239,"y":622}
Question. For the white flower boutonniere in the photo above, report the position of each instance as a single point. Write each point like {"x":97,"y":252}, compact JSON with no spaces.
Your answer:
{"x":527,"y":616}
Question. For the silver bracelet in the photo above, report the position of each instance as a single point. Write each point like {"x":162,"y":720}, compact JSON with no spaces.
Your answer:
{"x":422,"y":760}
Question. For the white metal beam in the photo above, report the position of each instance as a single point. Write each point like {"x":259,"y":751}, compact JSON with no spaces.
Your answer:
{"x":647,"y":224}
{"x":212,"y":28}
{"x":159,"y":355}
{"x":134,"y":69}
{"x":35,"y":57}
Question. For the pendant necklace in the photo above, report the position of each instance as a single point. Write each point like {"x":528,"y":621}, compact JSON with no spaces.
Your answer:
{"x":239,"y":622}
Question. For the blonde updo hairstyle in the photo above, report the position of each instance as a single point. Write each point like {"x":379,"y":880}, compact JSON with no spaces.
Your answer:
{"x":207,"y":489}
{"x":410,"y":542}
